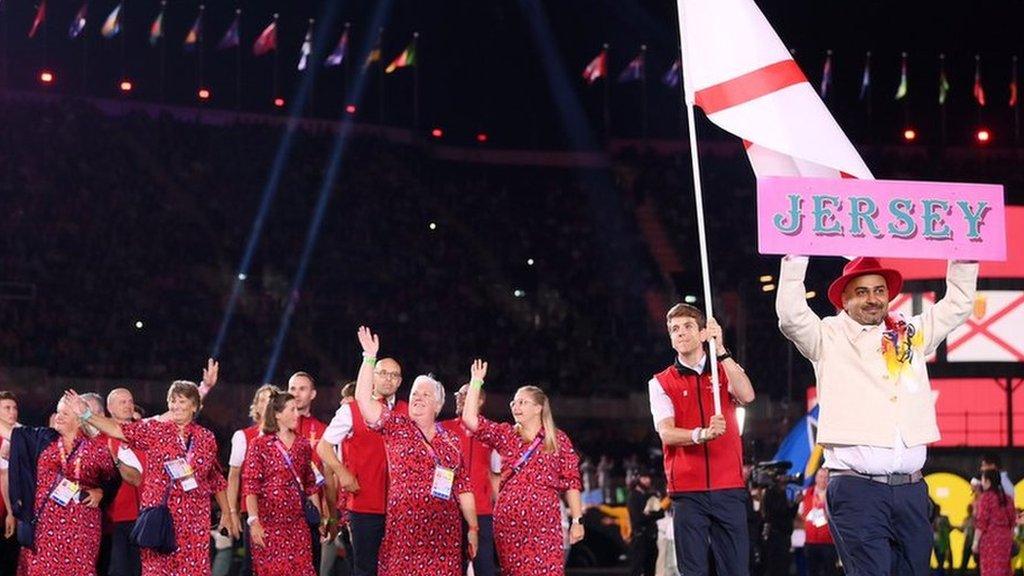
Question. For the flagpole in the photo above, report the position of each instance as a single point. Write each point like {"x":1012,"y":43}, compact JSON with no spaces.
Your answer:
{"x":699,"y":199}
{"x":311,"y":104}
{"x":346,"y":61}
{"x":643,"y":91}
{"x":607,"y":103}
{"x":867,"y":94}
{"x":238,"y":62}
{"x":163,"y":54}
{"x":942,"y":104}
{"x":415,"y":82}
{"x":380,"y":76}
{"x":122,"y":18}
{"x":277,"y":57}
{"x":1016,"y":105}
{"x":85,"y":62}
{"x":199,"y":49}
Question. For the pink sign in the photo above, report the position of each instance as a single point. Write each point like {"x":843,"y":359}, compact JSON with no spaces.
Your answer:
{"x":890,"y":218}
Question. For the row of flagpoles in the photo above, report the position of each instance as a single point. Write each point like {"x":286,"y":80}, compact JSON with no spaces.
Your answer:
{"x":597,"y":69}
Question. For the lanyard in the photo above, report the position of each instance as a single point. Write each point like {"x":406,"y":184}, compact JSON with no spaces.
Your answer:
{"x":288,"y":462}
{"x":430,"y":447}
{"x":66,"y":458}
{"x":187,"y":446}
{"x":528,"y":454}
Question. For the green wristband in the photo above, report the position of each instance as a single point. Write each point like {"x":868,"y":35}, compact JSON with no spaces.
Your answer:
{"x":476,"y":383}
{"x":86,"y":415}
{"x":371,"y":360}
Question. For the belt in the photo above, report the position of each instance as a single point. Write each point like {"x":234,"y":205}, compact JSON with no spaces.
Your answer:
{"x":889,"y":479}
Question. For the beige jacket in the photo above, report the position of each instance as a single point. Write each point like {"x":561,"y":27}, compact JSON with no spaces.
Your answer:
{"x":865,"y":394}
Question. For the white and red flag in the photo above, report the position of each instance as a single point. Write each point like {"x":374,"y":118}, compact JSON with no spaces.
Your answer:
{"x":597,"y":68}
{"x":738,"y":71}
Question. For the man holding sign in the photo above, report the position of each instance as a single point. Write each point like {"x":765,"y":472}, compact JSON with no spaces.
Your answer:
{"x":703,"y":451}
{"x":877,"y":409}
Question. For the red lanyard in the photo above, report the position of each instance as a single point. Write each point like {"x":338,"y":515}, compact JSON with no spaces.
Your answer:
{"x":430,"y":447}
{"x":65,"y":458}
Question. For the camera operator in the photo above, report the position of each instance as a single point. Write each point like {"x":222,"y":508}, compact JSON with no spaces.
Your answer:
{"x":777,"y":513}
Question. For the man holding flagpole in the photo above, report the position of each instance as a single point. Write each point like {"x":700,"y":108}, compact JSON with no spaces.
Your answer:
{"x":702,"y":447}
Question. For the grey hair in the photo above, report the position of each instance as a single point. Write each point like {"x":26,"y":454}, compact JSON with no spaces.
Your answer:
{"x":438,"y":387}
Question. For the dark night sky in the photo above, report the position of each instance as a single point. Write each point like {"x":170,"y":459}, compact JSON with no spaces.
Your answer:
{"x":480,"y":68}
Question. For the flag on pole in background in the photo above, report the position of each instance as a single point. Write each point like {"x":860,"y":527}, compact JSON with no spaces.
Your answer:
{"x":979,"y":90}
{"x":156,"y":29}
{"x":195,"y":32}
{"x":943,"y":80}
{"x":38,"y":20}
{"x":634,"y":71}
{"x":826,"y":75}
{"x":865,"y":79}
{"x":901,"y":90}
{"x":1013,"y":83}
{"x":231,"y":37}
{"x":671,"y":78}
{"x":112,"y":25}
{"x":374,"y":55}
{"x":307,"y":47}
{"x":336,"y":57}
{"x":267,"y":39}
{"x":597,"y":68}
{"x":78,"y":22}
{"x":406,"y":58}
{"x":746,"y":81}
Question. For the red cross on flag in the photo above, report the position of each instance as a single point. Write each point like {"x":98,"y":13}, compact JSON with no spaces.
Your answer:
{"x":990,"y":334}
{"x":740,"y":73}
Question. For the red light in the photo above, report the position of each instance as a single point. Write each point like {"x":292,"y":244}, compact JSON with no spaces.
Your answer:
{"x":204,"y":94}
{"x":351,"y":109}
{"x":436,"y":133}
{"x":46,"y":77}
{"x":983,"y":135}
{"x":126,"y":86}
{"x":279,"y":102}
{"x":910,"y":135}
{"x":481,"y":137}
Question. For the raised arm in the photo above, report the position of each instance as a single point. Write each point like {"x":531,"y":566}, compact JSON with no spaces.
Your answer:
{"x":954,"y":308}
{"x":797,"y":321}
{"x":210,"y":375}
{"x":471,"y":406}
{"x":108,"y":426}
{"x":370,"y":408}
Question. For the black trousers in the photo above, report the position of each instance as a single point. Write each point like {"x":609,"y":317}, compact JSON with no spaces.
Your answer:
{"x":643,"y":555}
{"x":715,"y":517}
{"x":484,"y":563}
{"x":9,"y":551}
{"x":880,"y":529}
{"x":123,"y":557}
{"x":821,"y":560}
{"x":367,"y":533}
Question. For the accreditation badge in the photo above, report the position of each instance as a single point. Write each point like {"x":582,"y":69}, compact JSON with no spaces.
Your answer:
{"x":65,"y":492}
{"x":444,"y":478}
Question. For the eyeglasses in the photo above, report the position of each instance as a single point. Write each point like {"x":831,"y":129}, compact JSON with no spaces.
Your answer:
{"x":389,"y":375}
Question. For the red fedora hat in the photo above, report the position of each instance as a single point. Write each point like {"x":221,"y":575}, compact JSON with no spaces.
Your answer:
{"x":859,"y":267}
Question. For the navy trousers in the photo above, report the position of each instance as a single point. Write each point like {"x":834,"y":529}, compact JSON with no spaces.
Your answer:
{"x":718,"y":517}
{"x":367,"y":533}
{"x":880,"y":529}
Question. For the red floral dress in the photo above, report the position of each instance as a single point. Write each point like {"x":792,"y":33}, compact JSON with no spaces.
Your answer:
{"x":68,"y":537}
{"x":527,"y":516}
{"x":190,"y":511}
{"x":287,"y":549}
{"x":995,"y":523}
{"x":422,"y":533}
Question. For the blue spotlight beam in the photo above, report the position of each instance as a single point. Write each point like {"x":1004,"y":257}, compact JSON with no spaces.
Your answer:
{"x":327,"y":185}
{"x":284,"y":148}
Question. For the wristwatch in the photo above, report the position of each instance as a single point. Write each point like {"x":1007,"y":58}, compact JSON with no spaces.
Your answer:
{"x":252,"y":520}
{"x":577,"y":520}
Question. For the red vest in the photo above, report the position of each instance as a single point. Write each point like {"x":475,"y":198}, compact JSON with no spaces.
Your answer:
{"x":125,"y":507}
{"x":364,"y":455}
{"x":715,"y":465}
{"x":251,"y":434}
{"x":3,"y":506}
{"x":476,"y":456}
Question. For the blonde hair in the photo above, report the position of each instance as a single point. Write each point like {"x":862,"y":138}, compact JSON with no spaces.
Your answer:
{"x":257,"y":418}
{"x":547,"y":420}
